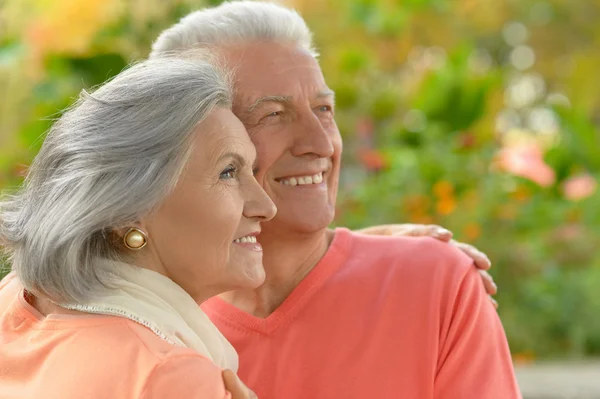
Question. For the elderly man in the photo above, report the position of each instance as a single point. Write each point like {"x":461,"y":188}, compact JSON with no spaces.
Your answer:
{"x":341,"y":315}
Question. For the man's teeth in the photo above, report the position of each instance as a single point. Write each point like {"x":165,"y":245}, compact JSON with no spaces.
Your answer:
{"x":249,"y":239}
{"x":303,"y":180}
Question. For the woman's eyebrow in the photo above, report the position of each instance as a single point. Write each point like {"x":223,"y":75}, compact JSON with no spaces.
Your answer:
{"x":240,"y":160}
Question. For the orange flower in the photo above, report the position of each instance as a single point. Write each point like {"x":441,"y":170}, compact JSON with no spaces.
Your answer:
{"x":443,"y":189}
{"x":416,"y":207}
{"x":446,"y":206}
{"x":372,"y":159}
{"x":521,"y":194}
{"x":579,"y":187}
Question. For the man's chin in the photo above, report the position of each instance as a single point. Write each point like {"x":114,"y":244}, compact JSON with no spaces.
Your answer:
{"x":314,"y":223}
{"x":254,"y":277}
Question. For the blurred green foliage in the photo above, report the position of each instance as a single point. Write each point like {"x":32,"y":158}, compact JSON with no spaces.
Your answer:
{"x":481,"y":116}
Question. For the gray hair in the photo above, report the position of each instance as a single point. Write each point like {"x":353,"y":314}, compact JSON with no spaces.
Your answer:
{"x":235,"y":22}
{"x":110,"y":159}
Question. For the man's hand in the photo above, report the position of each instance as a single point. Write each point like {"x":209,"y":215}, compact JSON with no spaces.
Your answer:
{"x":410,"y":230}
{"x":236,"y":387}
{"x":480,"y":259}
{"x":482,"y":262}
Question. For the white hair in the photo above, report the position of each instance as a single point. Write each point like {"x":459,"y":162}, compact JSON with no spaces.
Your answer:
{"x":109,"y":160}
{"x":235,"y":22}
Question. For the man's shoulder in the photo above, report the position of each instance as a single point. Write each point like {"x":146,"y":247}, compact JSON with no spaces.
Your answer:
{"x":410,"y":256}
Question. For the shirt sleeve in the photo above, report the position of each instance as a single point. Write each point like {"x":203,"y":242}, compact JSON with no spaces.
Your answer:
{"x":185,"y":376}
{"x":474,"y":359}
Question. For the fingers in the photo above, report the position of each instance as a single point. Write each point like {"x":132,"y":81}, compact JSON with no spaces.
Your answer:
{"x":409,"y":230}
{"x":236,"y":387}
{"x":442,"y":234}
{"x":233,"y":385}
{"x":488,"y":282}
{"x":494,"y":302}
{"x":479,"y":258}
{"x":382,"y":230}
{"x":422,"y":230}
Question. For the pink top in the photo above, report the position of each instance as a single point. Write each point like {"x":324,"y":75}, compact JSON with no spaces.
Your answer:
{"x":378,"y":317}
{"x":93,"y":357}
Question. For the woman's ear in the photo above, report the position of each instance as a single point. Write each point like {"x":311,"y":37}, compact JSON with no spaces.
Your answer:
{"x":132,"y":237}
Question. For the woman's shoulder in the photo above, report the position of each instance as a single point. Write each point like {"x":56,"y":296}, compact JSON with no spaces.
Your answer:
{"x":9,"y":288}
{"x":122,"y":350}
{"x":10,"y":280}
{"x":117,"y":338}
{"x":172,"y":371}
{"x":103,"y":357}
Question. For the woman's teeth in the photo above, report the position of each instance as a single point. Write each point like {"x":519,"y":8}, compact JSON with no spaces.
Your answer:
{"x":249,"y":239}
{"x":303,"y":180}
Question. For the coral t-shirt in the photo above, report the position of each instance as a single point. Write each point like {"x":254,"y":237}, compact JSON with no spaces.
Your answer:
{"x":378,"y":317}
{"x":93,"y":357}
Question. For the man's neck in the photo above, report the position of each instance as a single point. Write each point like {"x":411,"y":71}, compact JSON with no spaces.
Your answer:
{"x":287,"y":261}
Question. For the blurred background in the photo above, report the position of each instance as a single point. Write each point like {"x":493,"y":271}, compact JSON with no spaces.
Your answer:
{"x":481,"y":116}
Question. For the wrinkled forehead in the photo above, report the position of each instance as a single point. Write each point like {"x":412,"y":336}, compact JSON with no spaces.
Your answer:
{"x":220,"y":133}
{"x":273,"y":69}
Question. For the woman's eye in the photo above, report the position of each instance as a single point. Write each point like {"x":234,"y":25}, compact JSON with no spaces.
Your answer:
{"x":325,"y":108}
{"x":272,"y":114}
{"x":228,"y":173}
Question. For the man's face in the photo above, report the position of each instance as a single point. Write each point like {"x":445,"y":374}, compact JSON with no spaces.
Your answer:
{"x":282,"y":99}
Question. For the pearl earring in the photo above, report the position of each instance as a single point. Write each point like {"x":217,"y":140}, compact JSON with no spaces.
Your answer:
{"x":135,"y":239}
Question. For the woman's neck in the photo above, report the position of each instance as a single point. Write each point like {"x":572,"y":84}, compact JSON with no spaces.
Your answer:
{"x":46,"y":307}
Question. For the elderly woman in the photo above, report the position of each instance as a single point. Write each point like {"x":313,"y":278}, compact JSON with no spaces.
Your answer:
{"x":140,"y":205}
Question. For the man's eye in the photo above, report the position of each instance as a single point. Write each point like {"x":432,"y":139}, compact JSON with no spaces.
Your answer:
{"x":325,"y":108}
{"x":228,"y":173}
{"x":274,"y":113}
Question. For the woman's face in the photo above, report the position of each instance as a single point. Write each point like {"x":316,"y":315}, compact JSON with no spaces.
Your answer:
{"x":203,"y":236}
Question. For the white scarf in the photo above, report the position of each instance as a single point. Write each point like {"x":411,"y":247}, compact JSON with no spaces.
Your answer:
{"x":158,"y":303}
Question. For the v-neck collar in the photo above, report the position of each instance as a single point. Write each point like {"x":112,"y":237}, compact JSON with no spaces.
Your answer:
{"x":334,"y":257}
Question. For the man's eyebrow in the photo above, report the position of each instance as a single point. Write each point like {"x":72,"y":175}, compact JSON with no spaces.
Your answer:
{"x":326,"y":93}
{"x":268,"y":99}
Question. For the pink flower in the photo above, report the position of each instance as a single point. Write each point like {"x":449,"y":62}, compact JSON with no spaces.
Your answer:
{"x":526,"y":160}
{"x":579,"y":187}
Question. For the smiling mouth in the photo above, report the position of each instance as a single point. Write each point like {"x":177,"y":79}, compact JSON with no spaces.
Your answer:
{"x":248,"y":242}
{"x":246,"y":239}
{"x":302,"y":180}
